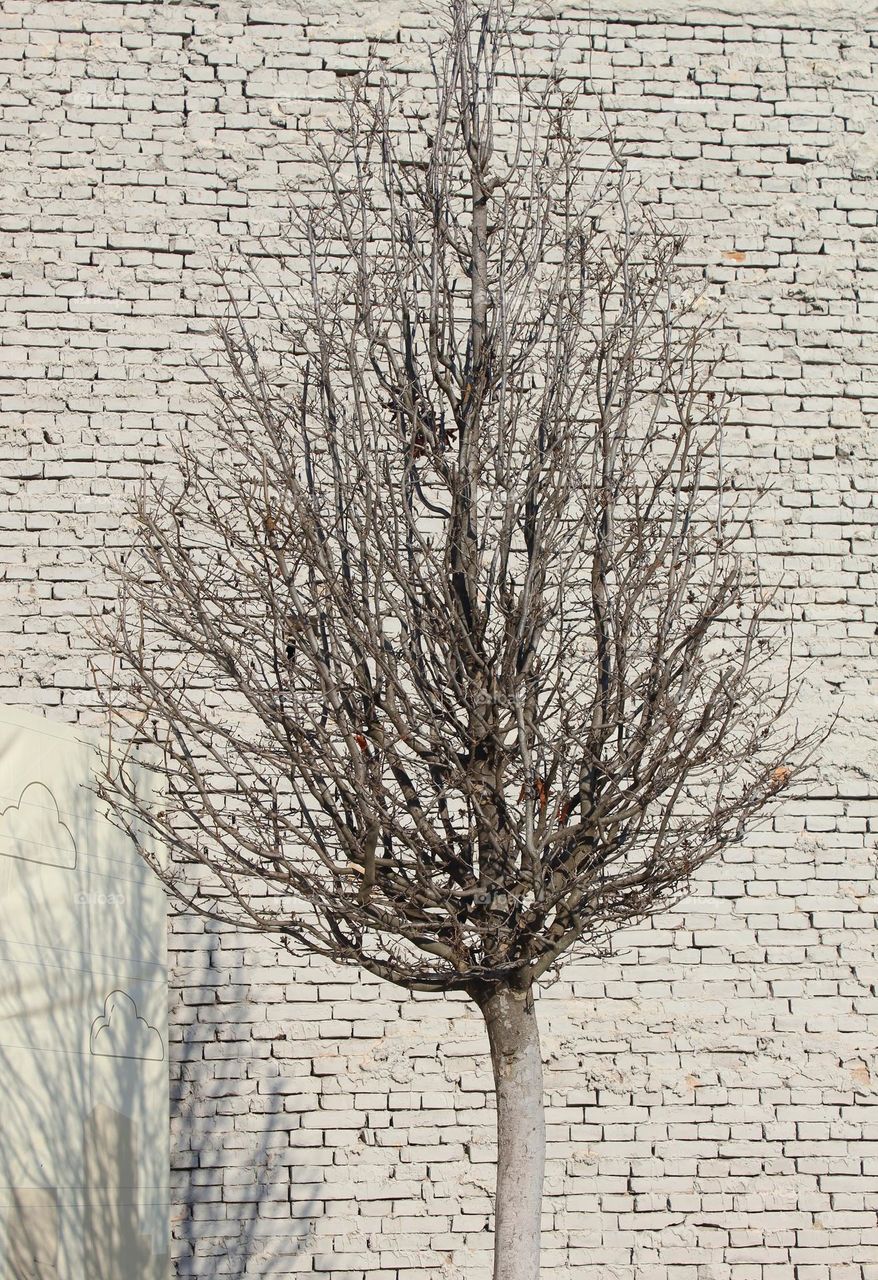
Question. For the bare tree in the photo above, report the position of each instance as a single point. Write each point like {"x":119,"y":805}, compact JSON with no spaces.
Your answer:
{"x":447,"y":634}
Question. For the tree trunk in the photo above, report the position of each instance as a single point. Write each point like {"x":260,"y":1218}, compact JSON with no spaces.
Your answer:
{"x":514,"y":1037}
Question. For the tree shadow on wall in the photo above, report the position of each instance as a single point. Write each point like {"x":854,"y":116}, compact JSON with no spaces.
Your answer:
{"x":83,"y":1155}
{"x":79,"y":1138}
{"x":230,"y":1228}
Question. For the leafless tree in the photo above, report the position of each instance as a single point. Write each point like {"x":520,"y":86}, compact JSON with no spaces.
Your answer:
{"x":446,"y":633}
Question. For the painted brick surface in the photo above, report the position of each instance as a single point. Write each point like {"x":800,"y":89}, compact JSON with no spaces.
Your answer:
{"x":711,"y":1087}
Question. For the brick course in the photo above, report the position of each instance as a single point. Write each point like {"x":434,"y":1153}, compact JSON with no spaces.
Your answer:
{"x":711,"y":1087}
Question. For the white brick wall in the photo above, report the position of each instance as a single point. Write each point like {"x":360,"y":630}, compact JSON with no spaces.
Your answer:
{"x":711,"y":1089}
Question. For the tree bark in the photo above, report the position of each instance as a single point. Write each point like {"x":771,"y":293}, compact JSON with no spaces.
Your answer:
{"x":514,"y":1037}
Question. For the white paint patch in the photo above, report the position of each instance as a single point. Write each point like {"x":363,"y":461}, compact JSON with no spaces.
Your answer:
{"x":83,"y":1024}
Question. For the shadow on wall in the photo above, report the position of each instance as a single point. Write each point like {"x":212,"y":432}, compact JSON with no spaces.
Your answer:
{"x":112,"y":1244}
{"x":83,"y":1137}
{"x":239,"y":1231}
{"x":84,"y":1134}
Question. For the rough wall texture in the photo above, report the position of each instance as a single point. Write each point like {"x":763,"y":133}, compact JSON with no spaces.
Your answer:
{"x":711,"y":1088}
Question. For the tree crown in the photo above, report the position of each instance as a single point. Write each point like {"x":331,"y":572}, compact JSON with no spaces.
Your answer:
{"x":446,"y":634}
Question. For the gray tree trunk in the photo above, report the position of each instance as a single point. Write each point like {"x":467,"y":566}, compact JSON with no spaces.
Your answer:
{"x":514,"y":1037}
